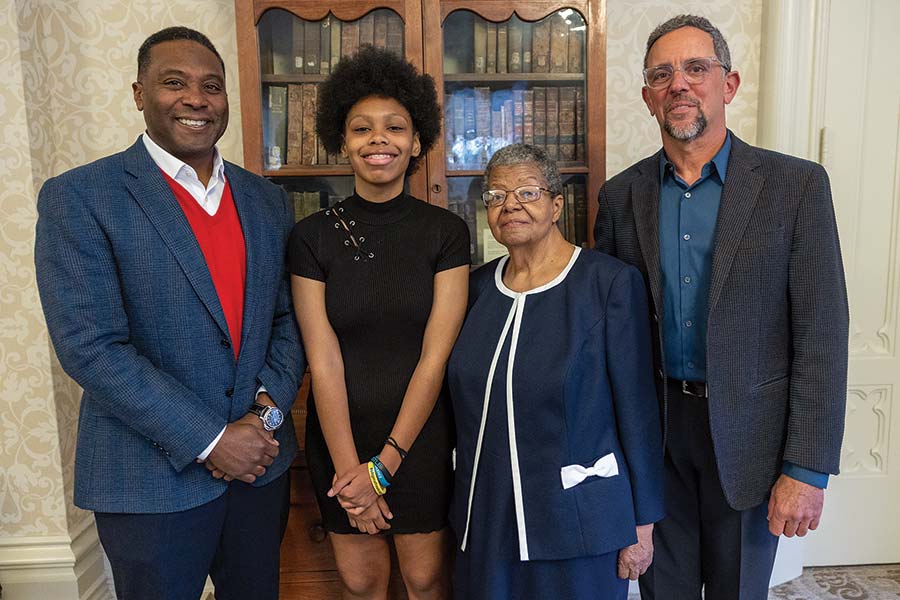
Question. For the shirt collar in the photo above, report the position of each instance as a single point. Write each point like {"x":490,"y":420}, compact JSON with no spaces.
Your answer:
{"x":719,"y":161}
{"x":173,"y":166}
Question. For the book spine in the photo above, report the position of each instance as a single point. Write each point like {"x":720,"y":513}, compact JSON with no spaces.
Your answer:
{"x":295,"y":125}
{"x":580,"y":214}
{"x":311,"y":32}
{"x":367,"y":30}
{"x":515,"y":45}
{"x":325,"y":46}
{"x":527,"y":47}
{"x":283,"y":46}
{"x":470,"y":154}
{"x":576,"y":51}
{"x":335,"y":41}
{"x":553,"y":122}
{"x":308,"y":92}
{"x":482,"y":123}
{"x":394,"y":34}
{"x":298,"y":49}
{"x":580,"y":127}
{"x":559,"y":44}
{"x":540,"y":117}
{"x":567,"y":124}
{"x":275,"y":137}
{"x":541,"y":47}
{"x":528,"y":117}
{"x":380,"y":29}
{"x":571,"y":232}
{"x":502,"y":36}
{"x":518,"y":116}
{"x":349,"y":38}
{"x":479,"y":36}
{"x":491,"y":53}
{"x":507,"y":112}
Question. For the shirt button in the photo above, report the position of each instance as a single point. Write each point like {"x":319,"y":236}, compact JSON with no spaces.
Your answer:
{"x":687,"y":194}
{"x":687,"y":279}
{"x":686,"y":236}
{"x":688,"y":323}
{"x":225,"y":343}
{"x":690,"y":364}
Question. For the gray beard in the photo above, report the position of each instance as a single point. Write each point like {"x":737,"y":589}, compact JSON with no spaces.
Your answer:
{"x":689,"y":132}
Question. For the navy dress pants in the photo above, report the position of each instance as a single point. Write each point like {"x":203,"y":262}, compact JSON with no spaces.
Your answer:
{"x":235,"y":539}
{"x":703,"y":543}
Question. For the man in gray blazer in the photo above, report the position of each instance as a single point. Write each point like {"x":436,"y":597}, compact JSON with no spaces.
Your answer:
{"x":739,"y":247}
{"x":162,"y":278}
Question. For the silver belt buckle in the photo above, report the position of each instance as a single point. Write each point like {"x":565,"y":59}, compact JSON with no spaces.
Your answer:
{"x":685,"y":389}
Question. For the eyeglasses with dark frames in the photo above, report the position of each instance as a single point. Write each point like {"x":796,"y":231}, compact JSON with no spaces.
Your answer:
{"x":524,"y":194}
{"x":695,"y":70}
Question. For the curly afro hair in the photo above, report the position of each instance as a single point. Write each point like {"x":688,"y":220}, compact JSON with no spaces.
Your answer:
{"x":377,"y":72}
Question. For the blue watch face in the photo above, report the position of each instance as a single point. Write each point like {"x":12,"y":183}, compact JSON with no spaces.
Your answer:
{"x":274,"y":418}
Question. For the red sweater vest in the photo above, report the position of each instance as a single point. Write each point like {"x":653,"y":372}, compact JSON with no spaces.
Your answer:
{"x":222,"y":243}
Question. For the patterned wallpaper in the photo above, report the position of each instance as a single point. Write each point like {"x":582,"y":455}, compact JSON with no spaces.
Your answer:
{"x":67,"y":66}
{"x":631,"y":133}
{"x":67,"y":69}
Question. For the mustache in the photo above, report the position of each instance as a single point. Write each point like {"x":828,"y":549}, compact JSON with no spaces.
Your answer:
{"x":681,"y":100}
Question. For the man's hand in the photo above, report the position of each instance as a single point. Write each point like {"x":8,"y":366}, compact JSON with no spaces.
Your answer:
{"x":244,"y":450}
{"x":634,"y":560}
{"x":794,"y":507}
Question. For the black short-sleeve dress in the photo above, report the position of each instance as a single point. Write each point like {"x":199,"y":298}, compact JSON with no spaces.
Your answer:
{"x":379,"y":283}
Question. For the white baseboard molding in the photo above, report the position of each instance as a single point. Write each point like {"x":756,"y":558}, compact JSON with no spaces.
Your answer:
{"x":61,"y":567}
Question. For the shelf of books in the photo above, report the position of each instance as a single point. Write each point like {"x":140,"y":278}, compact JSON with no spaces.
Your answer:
{"x":510,"y":82}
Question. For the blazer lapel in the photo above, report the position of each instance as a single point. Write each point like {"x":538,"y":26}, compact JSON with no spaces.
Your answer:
{"x":645,"y":204}
{"x":255,"y":237}
{"x":153,"y":194}
{"x":739,"y":195}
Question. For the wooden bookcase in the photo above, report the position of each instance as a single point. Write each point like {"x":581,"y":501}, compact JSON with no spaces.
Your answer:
{"x":459,"y":43}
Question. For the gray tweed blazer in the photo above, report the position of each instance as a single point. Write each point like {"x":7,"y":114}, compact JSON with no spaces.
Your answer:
{"x":778,"y":318}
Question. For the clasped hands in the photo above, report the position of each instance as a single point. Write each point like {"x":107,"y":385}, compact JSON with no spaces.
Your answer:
{"x":244,"y":450}
{"x":366,"y":510}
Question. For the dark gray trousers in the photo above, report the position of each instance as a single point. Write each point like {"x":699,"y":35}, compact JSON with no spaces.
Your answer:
{"x":703,"y":543}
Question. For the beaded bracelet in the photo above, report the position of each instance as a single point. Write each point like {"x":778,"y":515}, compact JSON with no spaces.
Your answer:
{"x":373,"y":477}
{"x":393,"y":444}
{"x":384,"y":476}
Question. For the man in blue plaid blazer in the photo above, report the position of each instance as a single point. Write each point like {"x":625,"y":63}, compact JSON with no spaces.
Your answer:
{"x":185,"y":436}
{"x":740,"y":251}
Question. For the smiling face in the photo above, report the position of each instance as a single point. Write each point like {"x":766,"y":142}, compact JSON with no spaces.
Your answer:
{"x":182,"y":95}
{"x":517,"y":225}
{"x":379,"y":140}
{"x":686,"y":112}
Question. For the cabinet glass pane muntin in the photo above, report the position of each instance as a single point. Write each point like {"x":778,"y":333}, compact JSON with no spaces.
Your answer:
{"x":464,"y":199}
{"x":296,"y":55}
{"x":514,"y":81}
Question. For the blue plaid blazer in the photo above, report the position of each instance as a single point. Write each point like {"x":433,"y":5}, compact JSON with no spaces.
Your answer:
{"x":136,"y":322}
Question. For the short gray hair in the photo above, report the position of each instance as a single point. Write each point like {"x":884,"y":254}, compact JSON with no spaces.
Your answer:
{"x":702,"y":23}
{"x":519,"y":154}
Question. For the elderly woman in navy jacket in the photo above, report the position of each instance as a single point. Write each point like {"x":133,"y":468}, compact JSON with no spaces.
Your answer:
{"x":559,"y":459}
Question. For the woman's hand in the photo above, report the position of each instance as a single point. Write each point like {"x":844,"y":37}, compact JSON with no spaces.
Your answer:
{"x":374,"y":518}
{"x":354,"y":488}
{"x":634,"y":560}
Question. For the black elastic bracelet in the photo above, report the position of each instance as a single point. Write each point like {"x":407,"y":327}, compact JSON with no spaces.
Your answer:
{"x":393,"y":444}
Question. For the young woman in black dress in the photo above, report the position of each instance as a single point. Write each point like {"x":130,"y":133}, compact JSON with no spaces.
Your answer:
{"x":380,"y":283}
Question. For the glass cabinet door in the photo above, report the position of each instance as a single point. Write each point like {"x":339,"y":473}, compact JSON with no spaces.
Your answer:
{"x":513,"y":81}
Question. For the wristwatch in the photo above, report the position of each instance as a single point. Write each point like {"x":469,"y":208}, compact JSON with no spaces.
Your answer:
{"x":271,"y":416}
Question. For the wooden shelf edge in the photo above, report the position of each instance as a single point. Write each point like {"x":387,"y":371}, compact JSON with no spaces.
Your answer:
{"x":512,"y":77}
{"x":564,"y":169}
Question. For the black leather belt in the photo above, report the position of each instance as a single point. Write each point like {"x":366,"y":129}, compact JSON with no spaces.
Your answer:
{"x":691,"y":388}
